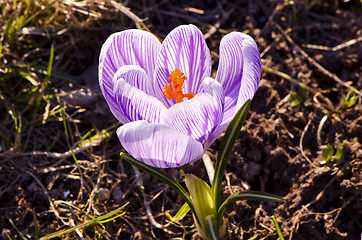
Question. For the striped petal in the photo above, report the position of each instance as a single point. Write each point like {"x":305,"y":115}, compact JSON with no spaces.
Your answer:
{"x":136,"y":77}
{"x":158,"y":145}
{"x":130,"y":47}
{"x":184,"y":48}
{"x":214,"y":88}
{"x":239,"y":71}
{"x":197,"y":117}
{"x":132,"y":104}
{"x":251,"y":73}
{"x":217,"y":132}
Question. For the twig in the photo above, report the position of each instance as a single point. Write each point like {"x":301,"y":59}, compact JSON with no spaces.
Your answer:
{"x":178,"y":15}
{"x":82,"y":7}
{"x":147,"y":204}
{"x":66,"y":154}
{"x":214,"y":28}
{"x":336,"y":48}
{"x":19,"y":232}
{"x":278,"y":8}
{"x":319,"y":130}
{"x":155,"y":5}
{"x":320,"y":194}
{"x":301,"y":143}
{"x":315,"y":63}
{"x":138,"y":21}
{"x":228,"y":184}
{"x":209,"y":167}
{"x":8,"y":186}
{"x":285,"y":76}
{"x":267,"y":49}
{"x":45,"y":190}
{"x":318,"y":197}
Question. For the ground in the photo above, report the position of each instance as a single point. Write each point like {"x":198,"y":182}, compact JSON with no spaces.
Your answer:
{"x":301,"y":139}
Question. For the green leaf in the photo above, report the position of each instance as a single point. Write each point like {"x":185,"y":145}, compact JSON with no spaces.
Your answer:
{"x":214,"y":230}
{"x":227,"y":144}
{"x":248,"y":195}
{"x":180,"y":214}
{"x":160,"y":175}
{"x":349,"y":100}
{"x":201,"y":196}
{"x":295,"y":99}
{"x":29,"y":77}
{"x":327,"y":152}
{"x":340,"y":149}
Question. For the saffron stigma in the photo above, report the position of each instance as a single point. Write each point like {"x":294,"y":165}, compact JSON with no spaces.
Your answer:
{"x":175,"y":91}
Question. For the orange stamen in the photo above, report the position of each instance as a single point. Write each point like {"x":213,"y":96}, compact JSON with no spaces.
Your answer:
{"x":175,"y":92}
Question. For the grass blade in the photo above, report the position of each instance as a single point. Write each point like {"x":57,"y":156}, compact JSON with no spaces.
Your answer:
{"x":100,"y":220}
{"x":254,"y":237}
{"x":50,"y":64}
{"x":7,"y":28}
{"x":25,"y":22}
{"x":54,"y":73}
{"x":16,"y":229}
{"x":277,"y":228}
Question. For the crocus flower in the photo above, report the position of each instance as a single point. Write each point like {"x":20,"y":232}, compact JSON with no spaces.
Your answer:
{"x":162,"y":93}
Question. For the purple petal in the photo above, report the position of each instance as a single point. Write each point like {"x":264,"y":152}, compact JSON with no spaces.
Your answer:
{"x":218,"y":130}
{"x":130,"y":47}
{"x":158,"y":145}
{"x":214,"y":88}
{"x":132,"y":104}
{"x":239,"y":71}
{"x":197,"y":117}
{"x":183,"y":48}
{"x":251,"y":73}
{"x":136,"y":77}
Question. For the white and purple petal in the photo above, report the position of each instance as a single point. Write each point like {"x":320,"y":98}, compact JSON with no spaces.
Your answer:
{"x":230,"y":68}
{"x":158,"y":145}
{"x":129,"y":47}
{"x":239,"y":71}
{"x":132,"y":104}
{"x":251,"y":72}
{"x":197,"y":117}
{"x":136,"y":77}
{"x":184,"y":48}
{"x":214,"y":88}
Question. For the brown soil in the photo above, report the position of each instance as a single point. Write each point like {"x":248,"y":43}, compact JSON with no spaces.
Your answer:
{"x":278,"y":150}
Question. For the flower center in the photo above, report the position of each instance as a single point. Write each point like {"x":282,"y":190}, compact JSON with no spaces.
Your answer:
{"x":175,"y":91}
